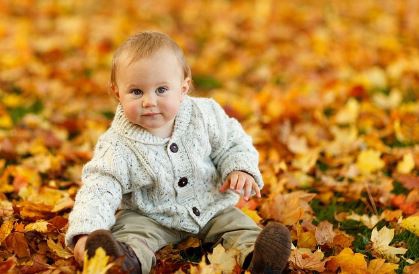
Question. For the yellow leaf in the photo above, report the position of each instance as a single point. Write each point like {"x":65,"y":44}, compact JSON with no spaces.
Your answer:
{"x":380,"y":244}
{"x":224,"y":260}
{"x":252,"y":214}
{"x":368,"y":221}
{"x":411,"y":224}
{"x":5,"y":121}
{"x":349,"y":113}
{"x":40,"y":226}
{"x":407,"y":164}
{"x":58,"y":249}
{"x":13,"y":100}
{"x":369,"y":161}
{"x":381,"y":267}
{"x":98,"y":264}
{"x":348,"y":262}
{"x":5,"y":230}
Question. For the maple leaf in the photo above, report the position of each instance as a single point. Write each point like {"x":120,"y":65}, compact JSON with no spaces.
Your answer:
{"x":221,"y":261}
{"x":412,"y":224}
{"x":304,"y":259}
{"x":349,"y":113}
{"x":369,"y":161}
{"x":324,"y":233}
{"x":5,"y":229}
{"x":58,"y":249}
{"x":40,"y":226}
{"x":406,"y":165}
{"x":348,"y":262}
{"x":368,"y":221}
{"x":380,"y":266}
{"x":98,"y":264}
{"x":288,"y":208}
{"x":380,"y":244}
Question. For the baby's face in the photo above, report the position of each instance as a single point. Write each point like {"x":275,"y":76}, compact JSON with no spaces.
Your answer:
{"x":151,"y":90}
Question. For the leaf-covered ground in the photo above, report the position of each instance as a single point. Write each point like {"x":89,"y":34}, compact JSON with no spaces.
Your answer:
{"x":329,"y":90}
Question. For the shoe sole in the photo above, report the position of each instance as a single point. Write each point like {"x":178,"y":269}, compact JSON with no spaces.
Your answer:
{"x":104,"y":239}
{"x":275,"y":240}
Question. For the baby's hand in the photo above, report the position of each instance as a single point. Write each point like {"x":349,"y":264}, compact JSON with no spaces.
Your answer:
{"x":237,"y":180}
{"x":79,"y":249}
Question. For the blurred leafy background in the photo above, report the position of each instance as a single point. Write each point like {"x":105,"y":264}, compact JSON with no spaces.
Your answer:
{"x":328,"y":90}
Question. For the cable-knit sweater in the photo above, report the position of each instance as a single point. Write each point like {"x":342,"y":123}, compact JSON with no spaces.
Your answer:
{"x":174,"y":180}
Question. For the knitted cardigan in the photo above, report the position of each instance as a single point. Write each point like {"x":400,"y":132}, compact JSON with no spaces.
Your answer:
{"x":174,"y":180}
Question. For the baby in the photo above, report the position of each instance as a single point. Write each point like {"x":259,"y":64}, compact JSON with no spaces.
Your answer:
{"x":173,"y":165}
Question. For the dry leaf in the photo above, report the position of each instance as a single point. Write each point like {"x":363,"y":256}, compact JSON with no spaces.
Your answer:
{"x":381,"y":267}
{"x":348,"y":262}
{"x":58,"y":249}
{"x":369,"y":161}
{"x":304,"y":259}
{"x":324,"y":233}
{"x":380,"y":244}
{"x":98,"y":264}
{"x":411,"y":224}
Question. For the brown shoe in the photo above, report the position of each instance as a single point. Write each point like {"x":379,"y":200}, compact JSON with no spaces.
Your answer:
{"x":113,"y":248}
{"x":272,"y":250}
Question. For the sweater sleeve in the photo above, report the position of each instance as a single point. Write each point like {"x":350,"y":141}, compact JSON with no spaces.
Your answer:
{"x":104,"y":179}
{"x":232,"y":148}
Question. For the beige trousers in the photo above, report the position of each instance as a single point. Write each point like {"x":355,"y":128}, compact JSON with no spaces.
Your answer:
{"x":230,"y":227}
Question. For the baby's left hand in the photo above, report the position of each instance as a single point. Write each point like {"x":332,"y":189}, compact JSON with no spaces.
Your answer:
{"x":237,"y":180}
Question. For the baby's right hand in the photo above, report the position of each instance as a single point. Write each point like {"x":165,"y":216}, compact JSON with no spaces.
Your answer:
{"x":79,"y":249}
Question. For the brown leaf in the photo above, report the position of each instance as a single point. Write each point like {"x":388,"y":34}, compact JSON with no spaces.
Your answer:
{"x":324,"y":233}
{"x":302,"y":259}
{"x":17,"y":243}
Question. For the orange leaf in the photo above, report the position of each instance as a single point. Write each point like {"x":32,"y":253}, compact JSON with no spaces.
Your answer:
{"x":348,"y":262}
{"x":17,"y":243}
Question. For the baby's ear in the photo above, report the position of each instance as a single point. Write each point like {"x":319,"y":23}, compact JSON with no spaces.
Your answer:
{"x":186,"y":85}
{"x":115,"y":91}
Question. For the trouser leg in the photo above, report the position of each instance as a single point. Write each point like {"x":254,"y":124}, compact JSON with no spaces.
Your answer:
{"x":144,"y":235}
{"x":233,"y":229}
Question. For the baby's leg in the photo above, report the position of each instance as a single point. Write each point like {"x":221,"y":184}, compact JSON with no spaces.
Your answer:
{"x":144,"y":235}
{"x":233,"y":229}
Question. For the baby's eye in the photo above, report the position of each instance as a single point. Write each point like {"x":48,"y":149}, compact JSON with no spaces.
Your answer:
{"x":161,"y":90}
{"x":137,"y":92}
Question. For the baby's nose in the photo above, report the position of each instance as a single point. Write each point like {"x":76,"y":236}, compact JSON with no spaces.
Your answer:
{"x":149,"y":100}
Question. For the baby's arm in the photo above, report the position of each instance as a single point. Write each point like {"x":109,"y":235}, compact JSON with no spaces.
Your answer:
{"x":233,"y":152}
{"x":105,"y":179}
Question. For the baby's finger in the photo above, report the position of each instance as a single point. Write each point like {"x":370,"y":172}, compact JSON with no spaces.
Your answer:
{"x":225,"y":186}
{"x":256,"y":189}
{"x":247,"y":191}
{"x":233,"y":181}
{"x":240,"y":183}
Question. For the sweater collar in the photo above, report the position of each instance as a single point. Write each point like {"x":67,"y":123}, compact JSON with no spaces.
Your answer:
{"x":134,"y":132}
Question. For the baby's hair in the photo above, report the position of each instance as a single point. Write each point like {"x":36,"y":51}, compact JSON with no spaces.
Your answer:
{"x":144,"y":44}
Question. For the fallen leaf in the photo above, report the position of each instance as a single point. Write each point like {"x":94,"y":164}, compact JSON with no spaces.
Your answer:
{"x":411,"y":224}
{"x":98,"y":264}
{"x":348,"y":262}
{"x":380,"y":244}
{"x":381,"y":267}
{"x":40,"y":226}
{"x":369,"y":161}
{"x":406,"y":165}
{"x":324,"y":233}
{"x":304,"y":259}
{"x":58,"y":249}
{"x":5,"y":230}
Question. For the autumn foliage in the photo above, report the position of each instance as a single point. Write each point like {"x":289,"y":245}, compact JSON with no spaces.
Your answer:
{"x":329,"y":91}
